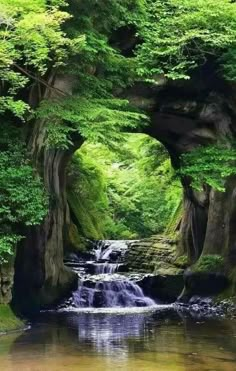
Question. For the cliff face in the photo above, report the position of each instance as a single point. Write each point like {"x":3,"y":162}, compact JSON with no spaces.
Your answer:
{"x":200,"y":112}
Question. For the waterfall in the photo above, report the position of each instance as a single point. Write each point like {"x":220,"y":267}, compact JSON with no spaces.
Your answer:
{"x":119,"y":292}
{"x":104,"y":287}
{"x":110,"y":268}
{"x":104,"y":249}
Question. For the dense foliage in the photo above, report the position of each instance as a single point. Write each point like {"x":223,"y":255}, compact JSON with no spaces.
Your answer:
{"x":41,"y":40}
{"x":98,"y":49}
{"x":210,"y":165}
{"x":180,"y":35}
{"x":23,"y":201}
{"x":128,"y":194}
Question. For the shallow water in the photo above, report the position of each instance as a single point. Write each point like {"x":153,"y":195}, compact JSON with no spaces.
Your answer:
{"x":128,"y":341}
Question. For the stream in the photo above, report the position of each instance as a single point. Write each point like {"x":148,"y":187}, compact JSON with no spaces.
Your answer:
{"x":108,"y":324}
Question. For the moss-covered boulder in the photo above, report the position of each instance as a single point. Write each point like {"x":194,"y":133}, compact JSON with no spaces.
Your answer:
{"x":157,"y":256}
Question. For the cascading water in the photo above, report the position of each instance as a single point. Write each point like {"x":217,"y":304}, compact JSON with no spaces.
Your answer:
{"x":104,"y":287}
{"x":102,"y":268}
{"x":115,"y":291}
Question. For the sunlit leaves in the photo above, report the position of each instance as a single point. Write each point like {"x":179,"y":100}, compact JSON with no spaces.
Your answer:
{"x":98,"y":120}
{"x":23,"y":201}
{"x":7,"y":244}
{"x":141,"y":191}
{"x":32,"y":41}
{"x":210,"y":165}
{"x":179,"y":35}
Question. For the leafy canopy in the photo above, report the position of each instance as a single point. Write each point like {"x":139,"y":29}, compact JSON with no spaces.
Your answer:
{"x":98,"y":120}
{"x":100,"y":71}
{"x":209,"y":165}
{"x":32,"y":42}
{"x":179,"y":35}
{"x":41,"y":39}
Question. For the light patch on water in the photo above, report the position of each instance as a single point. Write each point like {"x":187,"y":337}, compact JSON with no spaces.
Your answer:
{"x":118,"y":310}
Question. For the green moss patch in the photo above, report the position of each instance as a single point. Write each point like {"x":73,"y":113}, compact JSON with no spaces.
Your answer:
{"x":8,"y":320}
{"x":209,"y":263}
{"x":182,"y":261}
{"x":75,"y":242}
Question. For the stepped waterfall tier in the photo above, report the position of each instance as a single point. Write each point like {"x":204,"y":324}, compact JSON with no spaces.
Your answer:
{"x":100,"y":284}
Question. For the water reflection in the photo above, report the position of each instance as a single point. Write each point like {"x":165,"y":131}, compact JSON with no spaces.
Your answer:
{"x":163,"y":341}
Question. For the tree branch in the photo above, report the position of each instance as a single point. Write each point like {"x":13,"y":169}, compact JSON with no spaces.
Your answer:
{"x":38,"y":79}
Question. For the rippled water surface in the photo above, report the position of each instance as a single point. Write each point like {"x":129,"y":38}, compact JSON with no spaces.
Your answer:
{"x":128,"y":341}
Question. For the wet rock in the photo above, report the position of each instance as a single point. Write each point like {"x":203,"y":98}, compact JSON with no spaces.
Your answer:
{"x":90,"y":283}
{"x":122,"y":268}
{"x":98,"y":299}
{"x":165,"y":288}
{"x":203,"y":284}
{"x":114,"y":256}
{"x":140,"y":303}
{"x":200,"y":300}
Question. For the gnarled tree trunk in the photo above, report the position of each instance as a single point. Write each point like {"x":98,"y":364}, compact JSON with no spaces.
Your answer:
{"x":40,"y":275}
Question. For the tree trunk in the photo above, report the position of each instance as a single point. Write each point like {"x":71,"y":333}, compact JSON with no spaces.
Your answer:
{"x":41,"y":278}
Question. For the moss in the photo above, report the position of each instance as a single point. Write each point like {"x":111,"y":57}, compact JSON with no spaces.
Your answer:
{"x":209,"y":263}
{"x":230,"y":292}
{"x":75,"y":242}
{"x":182,"y":261}
{"x":84,"y":219}
{"x":87,"y":197}
{"x":153,"y":255}
{"x":175,"y":219}
{"x":8,"y":320}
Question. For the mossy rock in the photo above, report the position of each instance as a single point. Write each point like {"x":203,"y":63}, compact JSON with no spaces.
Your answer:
{"x":8,"y":320}
{"x":162,"y":287}
{"x":230,"y":292}
{"x":75,"y":243}
{"x":88,"y":225}
{"x":182,"y":261}
{"x":156,"y":254}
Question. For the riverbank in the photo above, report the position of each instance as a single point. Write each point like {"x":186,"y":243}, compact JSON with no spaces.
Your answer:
{"x":8,"y":321}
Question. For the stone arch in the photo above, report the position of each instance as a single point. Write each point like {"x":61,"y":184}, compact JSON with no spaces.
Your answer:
{"x":182,"y":116}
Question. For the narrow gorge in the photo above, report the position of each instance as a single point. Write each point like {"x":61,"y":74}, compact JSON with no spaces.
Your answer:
{"x":118,"y":181}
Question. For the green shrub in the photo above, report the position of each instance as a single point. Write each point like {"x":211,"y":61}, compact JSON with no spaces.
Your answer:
{"x":209,"y":263}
